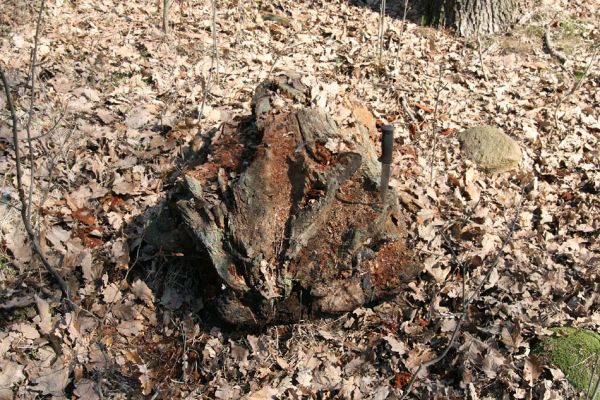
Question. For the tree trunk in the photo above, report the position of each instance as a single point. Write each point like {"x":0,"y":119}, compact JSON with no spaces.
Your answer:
{"x":470,"y":17}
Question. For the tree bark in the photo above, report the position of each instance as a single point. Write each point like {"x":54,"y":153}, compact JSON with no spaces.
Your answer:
{"x":469,"y":17}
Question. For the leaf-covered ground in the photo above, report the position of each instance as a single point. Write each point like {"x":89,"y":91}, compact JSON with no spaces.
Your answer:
{"x":119,"y":108}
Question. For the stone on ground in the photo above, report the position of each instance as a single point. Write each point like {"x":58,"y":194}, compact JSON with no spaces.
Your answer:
{"x":490,"y":148}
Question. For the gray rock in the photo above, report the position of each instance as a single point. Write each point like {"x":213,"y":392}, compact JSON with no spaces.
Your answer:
{"x":490,"y":148}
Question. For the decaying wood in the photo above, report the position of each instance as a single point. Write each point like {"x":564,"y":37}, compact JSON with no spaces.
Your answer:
{"x":290,"y":225}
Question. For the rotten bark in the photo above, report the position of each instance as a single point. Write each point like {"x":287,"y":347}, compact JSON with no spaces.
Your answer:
{"x":289,"y":225}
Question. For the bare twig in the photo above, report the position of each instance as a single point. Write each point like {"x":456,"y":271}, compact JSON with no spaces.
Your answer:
{"x":468,"y":301}
{"x":381,"y":31}
{"x":30,"y":232}
{"x":36,"y":40}
{"x":434,"y":122}
{"x":215,"y":52}
{"x":165,"y":16}
{"x":402,"y":27}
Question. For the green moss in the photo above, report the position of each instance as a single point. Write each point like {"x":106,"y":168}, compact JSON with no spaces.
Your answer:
{"x":574,"y":351}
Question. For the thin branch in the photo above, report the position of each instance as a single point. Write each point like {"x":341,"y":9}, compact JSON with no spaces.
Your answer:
{"x":215,"y":53}
{"x":30,"y":232}
{"x":402,"y":27}
{"x":434,"y":122}
{"x":381,"y":31}
{"x":165,"y":17}
{"x":469,"y":301}
{"x":36,"y":40}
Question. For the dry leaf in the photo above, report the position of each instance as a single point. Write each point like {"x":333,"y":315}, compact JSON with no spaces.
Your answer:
{"x":111,"y":293}
{"x":85,"y":389}
{"x":491,"y":363}
{"x":131,"y":328}
{"x":27,"y":330}
{"x":143,"y":292}
{"x":11,"y":373}
{"x":52,"y":381}
{"x":120,"y":254}
{"x":532,"y":369}
{"x":45,"y":323}
{"x":395,"y":345}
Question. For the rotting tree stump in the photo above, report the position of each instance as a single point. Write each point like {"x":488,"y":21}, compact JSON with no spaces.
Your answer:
{"x":290,"y":226}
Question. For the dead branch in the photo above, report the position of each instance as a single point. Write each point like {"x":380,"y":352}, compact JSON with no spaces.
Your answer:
{"x":165,"y":17}
{"x":215,"y":53}
{"x":30,"y":232}
{"x":434,"y":122}
{"x":36,"y":40}
{"x":381,"y":31}
{"x":468,"y":301}
{"x":551,"y":49}
{"x":402,"y":27}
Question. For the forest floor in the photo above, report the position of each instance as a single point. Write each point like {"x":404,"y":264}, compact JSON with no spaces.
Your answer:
{"x":118,"y":106}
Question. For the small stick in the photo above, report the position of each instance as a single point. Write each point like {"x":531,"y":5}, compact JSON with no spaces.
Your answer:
{"x":36,"y":40}
{"x":30,"y":232}
{"x":481,"y":57}
{"x":434,"y":122}
{"x":381,"y":30}
{"x":402,"y":28}
{"x":165,"y":17}
{"x":214,"y":37}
